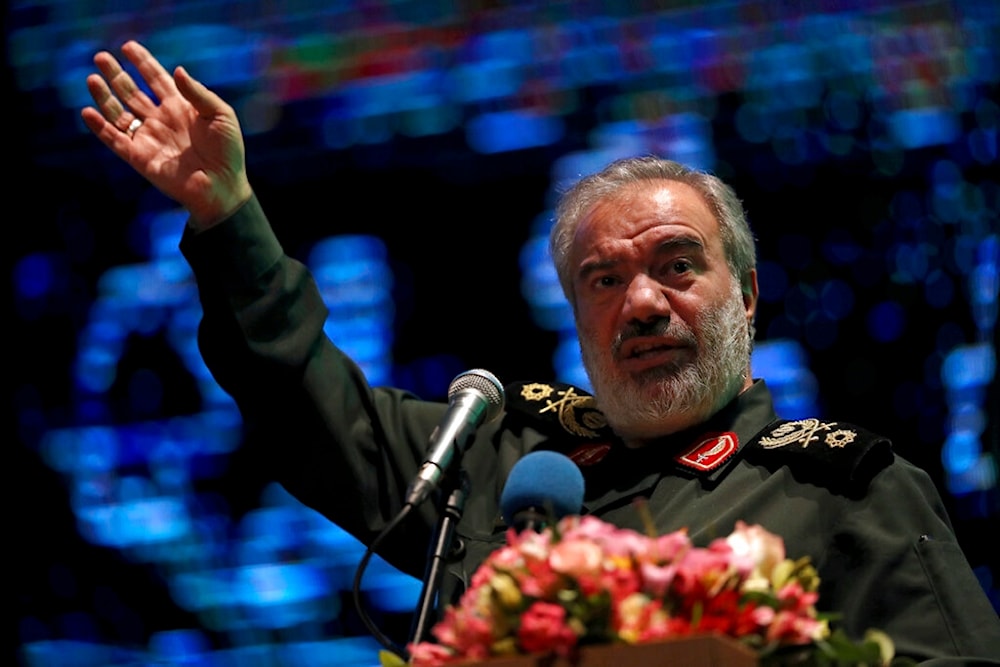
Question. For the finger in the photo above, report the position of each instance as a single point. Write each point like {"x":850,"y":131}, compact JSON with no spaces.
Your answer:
{"x":124,"y":87}
{"x":109,"y":106}
{"x":153,"y":73}
{"x":94,"y":119}
{"x":107,"y":132}
{"x":205,"y":102}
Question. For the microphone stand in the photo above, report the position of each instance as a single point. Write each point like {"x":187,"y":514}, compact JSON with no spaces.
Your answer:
{"x":450,"y":511}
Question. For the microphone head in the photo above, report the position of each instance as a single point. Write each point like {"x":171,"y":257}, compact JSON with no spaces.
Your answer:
{"x":542,"y":481}
{"x":483,"y":383}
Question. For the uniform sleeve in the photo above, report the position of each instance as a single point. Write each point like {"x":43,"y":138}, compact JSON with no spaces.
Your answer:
{"x":898,"y":567}
{"x":340,"y":446}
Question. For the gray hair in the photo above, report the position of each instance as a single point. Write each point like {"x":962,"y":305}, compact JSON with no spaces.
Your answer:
{"x":737,"y":239}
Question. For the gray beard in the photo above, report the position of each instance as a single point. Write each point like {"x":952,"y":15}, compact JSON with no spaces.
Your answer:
{"x":675,"y":396}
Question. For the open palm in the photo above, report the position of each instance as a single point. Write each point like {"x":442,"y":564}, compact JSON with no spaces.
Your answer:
{"x":189,"y":144}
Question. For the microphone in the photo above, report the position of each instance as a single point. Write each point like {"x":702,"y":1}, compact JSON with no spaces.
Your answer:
{"x":542,"y":487}
{"x":474,"y":398}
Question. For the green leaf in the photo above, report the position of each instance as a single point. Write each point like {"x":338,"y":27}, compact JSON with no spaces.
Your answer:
{"x":390,"y":659}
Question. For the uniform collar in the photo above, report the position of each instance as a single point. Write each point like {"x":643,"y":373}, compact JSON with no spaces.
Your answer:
{"x":706,"y":451}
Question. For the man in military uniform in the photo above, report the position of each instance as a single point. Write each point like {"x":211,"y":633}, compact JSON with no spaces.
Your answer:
{"x":659,"y":266}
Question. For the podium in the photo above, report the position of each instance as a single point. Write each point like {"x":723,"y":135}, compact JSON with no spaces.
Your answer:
{"x":707,"y":650}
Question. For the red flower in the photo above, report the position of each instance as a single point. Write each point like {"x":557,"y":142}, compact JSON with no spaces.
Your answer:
{"x":543,"y":628}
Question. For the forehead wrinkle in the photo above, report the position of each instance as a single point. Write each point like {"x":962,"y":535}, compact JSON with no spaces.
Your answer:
{"x":608,"y":263}
{"x":609,"y":255}
{"x":644,"y":218}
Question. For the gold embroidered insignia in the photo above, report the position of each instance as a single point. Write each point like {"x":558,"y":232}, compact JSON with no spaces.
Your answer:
{"x":840,"y":438}
{"x":577,"y":414}
{"x":535,"y":391}
{"x":800,"y":432}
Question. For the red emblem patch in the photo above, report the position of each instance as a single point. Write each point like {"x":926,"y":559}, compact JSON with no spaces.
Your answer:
{"x":588,"y":455}
{"x":710,"y":453}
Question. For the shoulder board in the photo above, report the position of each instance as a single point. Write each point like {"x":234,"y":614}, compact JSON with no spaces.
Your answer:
{"x":832,"y":454}
{"x":566,"y":414}
{"x":558,"y":409}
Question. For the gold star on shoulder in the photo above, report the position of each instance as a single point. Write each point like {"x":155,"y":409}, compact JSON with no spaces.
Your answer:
{"x":536,"y":391}
{"x":840,"y":438}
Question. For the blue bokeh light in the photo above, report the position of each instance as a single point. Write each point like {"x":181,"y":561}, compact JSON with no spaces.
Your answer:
{"x":844,"y":85}
{"x":886,"y":321}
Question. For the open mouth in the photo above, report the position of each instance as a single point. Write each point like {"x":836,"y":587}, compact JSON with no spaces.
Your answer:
{"x":641,"y":354}
{"x":639,"y":347}
{"x":641,"y":350}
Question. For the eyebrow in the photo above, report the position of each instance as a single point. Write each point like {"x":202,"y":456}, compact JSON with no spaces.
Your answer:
{"x":679,"y":242}
{"x":666,"y":247}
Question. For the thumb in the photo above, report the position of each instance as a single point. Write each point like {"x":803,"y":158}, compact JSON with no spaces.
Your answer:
{"x":204,"y":101}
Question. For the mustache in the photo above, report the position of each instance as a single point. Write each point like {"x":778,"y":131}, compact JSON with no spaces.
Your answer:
{"x":661,"y":327}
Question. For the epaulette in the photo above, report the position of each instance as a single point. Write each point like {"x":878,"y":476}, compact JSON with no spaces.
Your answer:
{"x":831,"y":454}
{"x":565,"y":413}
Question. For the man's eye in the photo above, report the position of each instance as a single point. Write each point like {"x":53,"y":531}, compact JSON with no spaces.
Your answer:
{"x":680,"y":266}
{"x":605,"y":281}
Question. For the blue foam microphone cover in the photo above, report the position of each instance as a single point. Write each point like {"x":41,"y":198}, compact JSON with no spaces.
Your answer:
{"x":541,"y":483}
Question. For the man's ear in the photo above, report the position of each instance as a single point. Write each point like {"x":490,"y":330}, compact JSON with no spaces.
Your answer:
{"x":750,"y":294}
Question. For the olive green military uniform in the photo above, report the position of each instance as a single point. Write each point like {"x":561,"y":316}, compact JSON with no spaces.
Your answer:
{"x":873,"y":524}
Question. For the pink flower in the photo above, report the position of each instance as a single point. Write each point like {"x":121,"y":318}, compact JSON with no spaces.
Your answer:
{"x":791,"y":628}
{"x":702,"y":572}
{"x":577,"y":558}
{"x":793,"y":597}
{"x":464,"y":632}
{"x":671,"y":546}
{"x":429,"y":654}
{"x":657,"y":579}
{"x":764,"y":550}
{"x":588,"y":527}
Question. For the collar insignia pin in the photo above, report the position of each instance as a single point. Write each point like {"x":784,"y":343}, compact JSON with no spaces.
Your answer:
{"x":710,"y":453}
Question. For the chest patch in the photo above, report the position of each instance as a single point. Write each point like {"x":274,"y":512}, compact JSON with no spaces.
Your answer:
{"x":710,"y":452}
{"x":590,"y":454}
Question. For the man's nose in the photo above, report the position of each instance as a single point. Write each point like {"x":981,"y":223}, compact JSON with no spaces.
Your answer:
{"x":645,"y":300}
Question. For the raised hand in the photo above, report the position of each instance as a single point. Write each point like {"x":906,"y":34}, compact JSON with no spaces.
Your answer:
{"x":188,"y":143}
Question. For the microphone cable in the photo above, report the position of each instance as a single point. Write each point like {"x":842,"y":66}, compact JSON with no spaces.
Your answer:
{"x":376,"y":632}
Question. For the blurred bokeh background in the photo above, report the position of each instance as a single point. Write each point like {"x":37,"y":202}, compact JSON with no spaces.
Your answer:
{"x":410,"y":151}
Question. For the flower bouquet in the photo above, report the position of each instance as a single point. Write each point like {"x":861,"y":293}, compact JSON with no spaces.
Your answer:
{"x":582,"y":582}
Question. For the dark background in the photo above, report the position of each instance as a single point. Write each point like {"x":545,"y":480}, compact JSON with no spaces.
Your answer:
{"x":454,"y":222}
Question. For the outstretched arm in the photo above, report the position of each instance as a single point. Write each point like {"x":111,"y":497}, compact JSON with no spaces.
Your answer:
{"x":188,"y":143}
